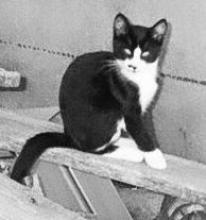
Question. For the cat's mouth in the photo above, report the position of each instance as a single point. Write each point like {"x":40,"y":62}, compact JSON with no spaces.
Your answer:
{"x":125,"y":67}
{"x":133,"y":68}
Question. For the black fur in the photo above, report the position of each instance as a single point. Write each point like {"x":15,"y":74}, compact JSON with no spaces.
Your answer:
{"x":33,"y":148}
{"x":93,"y":97}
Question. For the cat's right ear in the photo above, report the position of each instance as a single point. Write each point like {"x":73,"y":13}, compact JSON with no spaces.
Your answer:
{"x":121,"y":25}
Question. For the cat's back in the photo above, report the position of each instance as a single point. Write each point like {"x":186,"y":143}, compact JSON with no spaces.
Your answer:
{"x":87,"y":65}
{"x":78,"y":80}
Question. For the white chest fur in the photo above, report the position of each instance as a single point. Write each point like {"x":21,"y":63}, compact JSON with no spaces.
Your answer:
{"x":144,"y":76}
{"x":147,"y":90}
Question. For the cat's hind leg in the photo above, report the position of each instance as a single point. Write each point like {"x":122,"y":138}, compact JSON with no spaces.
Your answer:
{"x":126,"y":149}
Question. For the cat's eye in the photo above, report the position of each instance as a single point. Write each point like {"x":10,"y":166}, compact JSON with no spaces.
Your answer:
{"x":145,"y":54}
{"x":128,"y":51}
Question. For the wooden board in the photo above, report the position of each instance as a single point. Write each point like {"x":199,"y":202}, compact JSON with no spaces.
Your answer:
{"x":82,"y":192}
{"x":183,"y":178}
{"x":20,"y":202}
{"x":76,"y":190}
{"x":103,"y":196}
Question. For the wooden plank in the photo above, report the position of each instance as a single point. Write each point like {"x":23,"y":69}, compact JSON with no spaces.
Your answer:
{"x":60,"y":191}
{"x":20,"y":202}
{"x":103,"y":196}
{"x":76,"y":190}
{"x":82,"y":192}
{"x":184,"y":179}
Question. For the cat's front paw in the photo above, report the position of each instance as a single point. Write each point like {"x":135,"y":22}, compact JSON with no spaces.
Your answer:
{"x":155,"y":159}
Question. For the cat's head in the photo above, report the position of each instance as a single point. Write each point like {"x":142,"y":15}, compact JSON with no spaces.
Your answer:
{"x":137,"y":46}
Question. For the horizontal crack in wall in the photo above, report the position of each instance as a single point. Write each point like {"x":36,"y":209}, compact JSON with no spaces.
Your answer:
{"x":70,"y":55}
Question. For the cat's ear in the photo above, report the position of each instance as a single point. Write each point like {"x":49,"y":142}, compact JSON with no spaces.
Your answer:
{"x":121,"y":25}
{"x":159,"y":30}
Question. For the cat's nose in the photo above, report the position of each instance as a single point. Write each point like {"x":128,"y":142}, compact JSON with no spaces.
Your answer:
{"x":134,"y":68}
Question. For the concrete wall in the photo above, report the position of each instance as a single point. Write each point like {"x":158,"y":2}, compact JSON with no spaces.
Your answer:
{"x":78,"y":26}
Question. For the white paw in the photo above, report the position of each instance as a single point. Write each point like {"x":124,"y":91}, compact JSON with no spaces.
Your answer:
{"x":155,"y":159}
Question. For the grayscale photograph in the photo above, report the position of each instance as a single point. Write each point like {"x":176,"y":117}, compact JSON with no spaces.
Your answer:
{"x":102,"y":110}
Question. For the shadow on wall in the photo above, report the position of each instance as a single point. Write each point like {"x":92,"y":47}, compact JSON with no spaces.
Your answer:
{"x":22,"y":86}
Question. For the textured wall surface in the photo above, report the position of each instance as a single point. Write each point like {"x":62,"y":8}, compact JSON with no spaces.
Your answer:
{"x":78,"y":26}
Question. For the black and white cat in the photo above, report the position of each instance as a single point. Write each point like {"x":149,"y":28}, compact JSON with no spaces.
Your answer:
{"x":104,"y":92}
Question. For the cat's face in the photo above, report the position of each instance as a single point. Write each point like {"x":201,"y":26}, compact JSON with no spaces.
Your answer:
{"x":137,"y":48}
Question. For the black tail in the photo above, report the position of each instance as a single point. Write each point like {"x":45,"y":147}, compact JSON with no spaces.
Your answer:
{"x":32,"y":150}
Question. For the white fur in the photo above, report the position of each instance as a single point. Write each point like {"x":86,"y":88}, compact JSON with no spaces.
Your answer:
{"x":144,"y":76}
{"x":155,"y":159}
{"x":127,"y":151}
{"x":120,"y":126}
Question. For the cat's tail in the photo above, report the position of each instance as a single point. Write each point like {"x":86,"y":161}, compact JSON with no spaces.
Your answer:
{"x":33,"y":149}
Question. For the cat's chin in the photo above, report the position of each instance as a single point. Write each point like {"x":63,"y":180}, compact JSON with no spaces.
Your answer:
{"x":155,"y":159}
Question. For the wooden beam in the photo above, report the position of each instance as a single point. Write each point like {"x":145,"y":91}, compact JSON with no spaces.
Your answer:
{"x":20,"y":202}
{"x":183,"y":178}
{"x":75,"y":189}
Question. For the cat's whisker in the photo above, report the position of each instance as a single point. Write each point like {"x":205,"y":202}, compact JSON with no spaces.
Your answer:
{"x":112,"y":65}
{"x":108,"y":64}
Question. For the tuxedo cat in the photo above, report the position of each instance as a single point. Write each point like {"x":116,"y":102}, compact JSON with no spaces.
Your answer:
{"x":103,"y":93}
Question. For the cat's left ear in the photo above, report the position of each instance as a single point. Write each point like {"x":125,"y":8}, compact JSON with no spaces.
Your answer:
{"x":159,"y":30}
